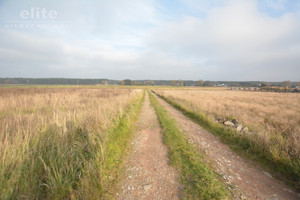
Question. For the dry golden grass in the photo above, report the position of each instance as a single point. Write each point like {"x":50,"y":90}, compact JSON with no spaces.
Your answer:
{"x":48,"y":136}
{"x":274,"y":118}
{"x":24,"y":112}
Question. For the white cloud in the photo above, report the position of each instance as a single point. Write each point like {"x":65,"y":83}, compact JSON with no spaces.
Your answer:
{"x":233,"y":40}
{"x":28,"y":55}
{"x":236,"y":36}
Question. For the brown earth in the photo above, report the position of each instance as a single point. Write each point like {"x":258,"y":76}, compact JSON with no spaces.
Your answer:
{"x":248,"y":180}
{"x":147,"y":174}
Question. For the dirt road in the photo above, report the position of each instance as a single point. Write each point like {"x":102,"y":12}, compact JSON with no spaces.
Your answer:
{"x":148,"y":175}
{"x":248,"y":180}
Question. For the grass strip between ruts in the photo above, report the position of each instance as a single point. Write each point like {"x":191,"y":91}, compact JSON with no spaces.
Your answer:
{"x":198,"y":179}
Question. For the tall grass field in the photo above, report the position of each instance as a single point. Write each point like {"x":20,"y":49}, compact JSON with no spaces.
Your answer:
{"x":70,"y":142}
{"x":55,"y":143}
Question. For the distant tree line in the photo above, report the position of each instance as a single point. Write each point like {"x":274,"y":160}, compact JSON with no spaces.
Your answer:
{"x":57,"y":81}
{"x":177,"y":83}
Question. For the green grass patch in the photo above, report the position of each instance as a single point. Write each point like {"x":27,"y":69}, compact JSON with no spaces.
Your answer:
{"x":116,"y":146}
{"x":284,"y":169}
{"x":70,"y":162}
{"x":198,"y":179}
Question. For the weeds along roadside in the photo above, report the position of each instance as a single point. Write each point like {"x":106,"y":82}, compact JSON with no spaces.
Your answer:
{"x":72,"y":164}
{"x":116,"y":146}
{"x":284,"y":168}
{"x":199,"y":181}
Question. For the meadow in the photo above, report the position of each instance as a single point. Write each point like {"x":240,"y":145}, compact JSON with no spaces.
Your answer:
{"x":70,"y":142}
{"x":272,"y":118}
{"x":52,"y":139}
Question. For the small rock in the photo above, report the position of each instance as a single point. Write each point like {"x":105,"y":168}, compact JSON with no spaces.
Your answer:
{"x":234,"y":121}
{"x":239,"y":128}
{"x":245,"y":130}
{"x":229,"y":123}
{"x":289,"y":191}
{"x":267,"y":174}
{"x":147,"y":187}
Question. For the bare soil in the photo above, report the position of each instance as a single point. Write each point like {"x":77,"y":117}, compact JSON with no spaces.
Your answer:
{"x":249,"y":181}
{"x":147,"y":174}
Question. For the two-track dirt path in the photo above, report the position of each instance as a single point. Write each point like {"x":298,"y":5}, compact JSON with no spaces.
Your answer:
{"x":148,"y":175}
{"x":249,"y":181}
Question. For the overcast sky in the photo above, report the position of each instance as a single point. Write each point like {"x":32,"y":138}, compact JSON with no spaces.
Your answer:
{"x":240,"y":40}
